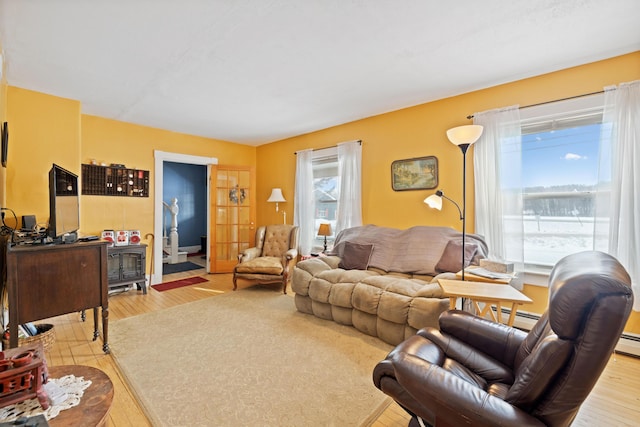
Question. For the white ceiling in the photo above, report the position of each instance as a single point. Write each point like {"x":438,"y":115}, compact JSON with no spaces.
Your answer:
{"x":256,"y":71}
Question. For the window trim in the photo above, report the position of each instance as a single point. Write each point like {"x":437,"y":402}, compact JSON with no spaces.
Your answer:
{"x":572,"y":112}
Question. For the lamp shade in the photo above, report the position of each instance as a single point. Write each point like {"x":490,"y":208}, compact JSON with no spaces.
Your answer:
{"x":464,"y":134}
{"x":276,"y":196}
{"x":324,"y":230}
{"x":434,"y":201}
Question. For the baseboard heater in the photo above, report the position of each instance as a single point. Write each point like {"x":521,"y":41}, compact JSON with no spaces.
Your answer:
{"x":628,"y":344}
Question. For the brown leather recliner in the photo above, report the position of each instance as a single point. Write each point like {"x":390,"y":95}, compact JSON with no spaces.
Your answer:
{"x":474,"y":372}
{"x":273,"y":257}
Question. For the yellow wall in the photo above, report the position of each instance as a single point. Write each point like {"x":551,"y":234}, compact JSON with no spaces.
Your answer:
{"x":111,"y":141}
{"x":46,"y":129}
{"x":43,"y":130}
{"x":420,"y":131}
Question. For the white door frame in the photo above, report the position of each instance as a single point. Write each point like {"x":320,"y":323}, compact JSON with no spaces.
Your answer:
{"x":158,"y":210}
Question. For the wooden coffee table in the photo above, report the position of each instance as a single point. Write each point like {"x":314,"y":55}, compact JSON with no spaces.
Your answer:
{"x":96,"y":401}
{"x":489,"y":294}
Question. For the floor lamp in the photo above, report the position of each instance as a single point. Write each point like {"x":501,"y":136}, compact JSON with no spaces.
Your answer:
{"x":277,"y":197}
{"x":463,"y":137}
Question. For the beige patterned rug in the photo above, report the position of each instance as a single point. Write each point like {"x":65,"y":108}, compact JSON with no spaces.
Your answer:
{"x":248,"y":358}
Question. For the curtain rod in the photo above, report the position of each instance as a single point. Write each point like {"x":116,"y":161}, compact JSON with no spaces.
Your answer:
{"x":555,"y":100}
{"x":359,"y":141}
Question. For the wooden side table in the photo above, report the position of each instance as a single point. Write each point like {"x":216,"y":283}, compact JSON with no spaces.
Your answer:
{"x":489,"y":294}
{"x":96,"y":401}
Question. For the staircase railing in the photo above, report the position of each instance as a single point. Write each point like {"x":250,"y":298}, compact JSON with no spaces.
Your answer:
{"x":171,"y":246}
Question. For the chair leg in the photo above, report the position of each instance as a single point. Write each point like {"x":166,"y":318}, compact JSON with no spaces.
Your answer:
{"x":235,"y":285}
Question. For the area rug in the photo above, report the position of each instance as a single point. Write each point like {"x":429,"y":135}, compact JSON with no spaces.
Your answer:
{"x":161,"y":287}
{"x":179,"y":267}
{"x":248,"y":358}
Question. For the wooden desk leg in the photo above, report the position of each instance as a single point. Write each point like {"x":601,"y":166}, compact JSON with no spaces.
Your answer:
{"x":13,"y":334}
{"x":105,"y":330}
{"x":96,"y":333}
{"x":512,"y":316}
{"x":452,"y":303}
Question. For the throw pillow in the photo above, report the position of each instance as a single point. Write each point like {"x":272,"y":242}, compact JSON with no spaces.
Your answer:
{"x":355,"y":256}
{"x":451,"y":257}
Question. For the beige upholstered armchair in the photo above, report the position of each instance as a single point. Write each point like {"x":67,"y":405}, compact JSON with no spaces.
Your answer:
{"x":273,"y":257}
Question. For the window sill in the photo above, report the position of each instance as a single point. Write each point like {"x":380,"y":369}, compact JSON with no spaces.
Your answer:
{"x":537,"y":277}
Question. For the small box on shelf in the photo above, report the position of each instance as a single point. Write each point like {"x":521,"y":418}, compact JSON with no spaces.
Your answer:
{"x":497,"y":266}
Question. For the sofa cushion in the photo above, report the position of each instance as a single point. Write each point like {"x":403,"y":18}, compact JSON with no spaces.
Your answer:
{"x":451,"y":256}
{"x":355,"y":256}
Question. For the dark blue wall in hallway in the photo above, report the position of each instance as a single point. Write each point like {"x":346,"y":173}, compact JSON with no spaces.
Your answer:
{"x":187,"y":183}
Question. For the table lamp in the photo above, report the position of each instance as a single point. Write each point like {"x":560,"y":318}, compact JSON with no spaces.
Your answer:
{"x":324,"y":230}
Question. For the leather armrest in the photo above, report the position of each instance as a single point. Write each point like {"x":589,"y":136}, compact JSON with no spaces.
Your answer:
{"x":492,"y":369}
{"x":499,"y":341}
{"x":453,"y":400}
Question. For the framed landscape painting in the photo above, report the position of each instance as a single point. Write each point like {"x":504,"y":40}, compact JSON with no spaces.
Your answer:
{"x":420,"y":173}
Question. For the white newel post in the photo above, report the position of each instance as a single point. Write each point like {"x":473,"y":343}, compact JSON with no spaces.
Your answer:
{"x":173,"y":231}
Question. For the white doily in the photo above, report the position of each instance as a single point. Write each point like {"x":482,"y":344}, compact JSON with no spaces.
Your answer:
{"x":72,"y":385}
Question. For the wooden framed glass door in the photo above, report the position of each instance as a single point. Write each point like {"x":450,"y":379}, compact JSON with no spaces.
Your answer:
{"x":233,"y":215}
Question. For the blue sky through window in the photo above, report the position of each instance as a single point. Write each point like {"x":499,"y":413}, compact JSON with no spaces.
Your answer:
{"x":561,"y":157}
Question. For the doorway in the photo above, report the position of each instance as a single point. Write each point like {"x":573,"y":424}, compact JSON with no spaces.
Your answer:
{"x":160,"y":158}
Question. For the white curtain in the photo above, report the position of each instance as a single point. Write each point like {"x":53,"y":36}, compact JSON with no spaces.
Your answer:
{"x":498,"y":185}
{"x":350,"y":172}
{"x":305,"y":205}
{"x":621,"y":150}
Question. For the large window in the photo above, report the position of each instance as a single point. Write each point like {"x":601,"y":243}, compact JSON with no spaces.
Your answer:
{"x":560,"y":176}
{"x":326,"y":191}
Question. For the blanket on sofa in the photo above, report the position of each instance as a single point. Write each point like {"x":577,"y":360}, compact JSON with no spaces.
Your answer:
{"x":417,"y":249}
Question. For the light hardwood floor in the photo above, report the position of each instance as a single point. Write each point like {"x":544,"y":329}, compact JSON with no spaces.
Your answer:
{"x":614,"y":402}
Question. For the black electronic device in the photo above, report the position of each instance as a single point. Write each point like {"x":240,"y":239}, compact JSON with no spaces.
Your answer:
{"x":29,"y":222}
{"x":64,"y":205}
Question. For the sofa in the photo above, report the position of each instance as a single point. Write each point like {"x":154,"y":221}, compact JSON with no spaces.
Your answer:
{"x":383,"y":281}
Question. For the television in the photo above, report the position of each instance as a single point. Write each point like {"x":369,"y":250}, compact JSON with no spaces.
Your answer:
{"x":64,"y":205}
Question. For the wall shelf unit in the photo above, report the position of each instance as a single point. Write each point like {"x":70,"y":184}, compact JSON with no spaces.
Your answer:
{"x":114,"y":181}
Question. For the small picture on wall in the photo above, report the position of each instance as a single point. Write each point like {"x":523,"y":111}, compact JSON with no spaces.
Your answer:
{"x":420,"y":173}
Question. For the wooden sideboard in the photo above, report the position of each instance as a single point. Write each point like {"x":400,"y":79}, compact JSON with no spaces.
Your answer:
{"x":50,"y":280}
